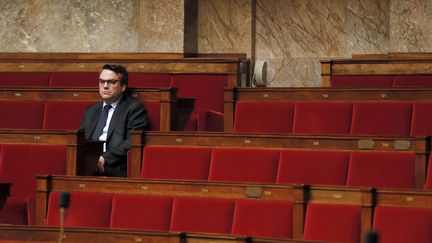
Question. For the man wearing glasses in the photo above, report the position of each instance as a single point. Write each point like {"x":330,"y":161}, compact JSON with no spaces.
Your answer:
{"x":112,"y":119}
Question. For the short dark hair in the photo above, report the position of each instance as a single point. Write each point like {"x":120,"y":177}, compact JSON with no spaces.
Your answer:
{"x":119,"y":69}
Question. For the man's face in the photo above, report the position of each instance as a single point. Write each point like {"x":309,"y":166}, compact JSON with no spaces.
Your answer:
{"x":110,"y":88}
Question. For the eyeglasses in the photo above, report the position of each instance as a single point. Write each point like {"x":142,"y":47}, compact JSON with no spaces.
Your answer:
{"x":110,"y":82}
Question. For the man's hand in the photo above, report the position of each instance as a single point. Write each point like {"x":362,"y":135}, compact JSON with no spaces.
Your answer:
{"x":100,"y":165}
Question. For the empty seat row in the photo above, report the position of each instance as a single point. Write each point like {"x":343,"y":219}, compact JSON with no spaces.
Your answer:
{"x":327,"y":222}
{"x":61,"y":115}
{"x":355,"y":168}
{"x":381,"y":81}
{"x":335,"y":118}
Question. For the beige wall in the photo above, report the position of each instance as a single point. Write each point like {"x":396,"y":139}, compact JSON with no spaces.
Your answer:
{"x":290,"y":35}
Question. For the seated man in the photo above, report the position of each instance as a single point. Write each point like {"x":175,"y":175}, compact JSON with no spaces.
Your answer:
{"x":112,"y":119}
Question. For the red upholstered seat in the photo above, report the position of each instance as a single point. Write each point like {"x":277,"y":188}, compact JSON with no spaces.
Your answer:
{"x":381,"y":118}
{"x":403,"y":224}
{"x":332,"y":222}
{"x":148,"y":80}
{"x":64,"y":115}
{"x":206,"y":215}
{"x":74,"y":79}
{"x":322,"y":117}
{"x":20,"y":79}
{"x":153,"y":113}
{"x":176,"y":163}
{"x":19,"y":114}
{"x":19,"y":164}
{"x":412,"y":81}
{"x":264,"y":117}
{"x":86,"y":209}
{"x":141,"y":212}
{"x":362,"y":81}
{"x":263,"y":218}
{"x":421,"y":119}
{"x":244,"y":165}
{"x":382,"y":169}
{"x":207,"y":91}
{"x":313,"y":167}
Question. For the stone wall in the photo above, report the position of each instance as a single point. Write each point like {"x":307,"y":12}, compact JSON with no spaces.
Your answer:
{"x":290,"y":35}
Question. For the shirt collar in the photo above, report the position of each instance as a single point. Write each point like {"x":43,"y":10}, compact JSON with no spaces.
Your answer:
{"x":114,"y":104}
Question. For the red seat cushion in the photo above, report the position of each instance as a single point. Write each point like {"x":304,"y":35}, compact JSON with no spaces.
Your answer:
{"x":141,"y":212}
{"x":22,"y":79}
{"x":153,"y":112}
{"x":264,"y":117}
{"x":19,"y":114}
{"x":421,"y":119}
{"x":176,"y":163}
{"x":244,"y":165}
{"x":74,"y":79}
{"x":64,"y":115}
{"x":313,"y":167}
{"x":334,"y":223}
{"x":381,"y":118}
{"x":412,"y":81}
{"x":202,"y":215}
{"x":86,"y":209}
{"x":148,"y":80}
{"x":36,"y":159}
{"x":362,"y":81}
{"x":403,"y":224}
{"x":382,"y":169}
{"x":322,"y":117}
{"x":263,"y":218}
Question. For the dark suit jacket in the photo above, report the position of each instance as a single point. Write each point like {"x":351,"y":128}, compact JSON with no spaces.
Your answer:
{"x":128,"y":115}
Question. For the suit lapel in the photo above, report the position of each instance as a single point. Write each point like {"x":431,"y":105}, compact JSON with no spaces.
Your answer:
{"x":120,"y":108}
{"x":94,"y":116}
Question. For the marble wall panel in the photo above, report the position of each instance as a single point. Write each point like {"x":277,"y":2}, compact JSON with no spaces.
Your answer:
{"x":225,"y":26}
{"x":368,"y":26}
{"x":300,"y":28}
{"x":161,"y":26}
{"x":293,"y":72}
{"x":68,"y":25}
{"x":411,"y":29}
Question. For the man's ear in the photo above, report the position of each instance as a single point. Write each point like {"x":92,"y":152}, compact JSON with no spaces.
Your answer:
{"x":123,"y":88}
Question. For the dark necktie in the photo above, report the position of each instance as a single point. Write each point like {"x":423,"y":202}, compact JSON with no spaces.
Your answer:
{"x":101,"y":123}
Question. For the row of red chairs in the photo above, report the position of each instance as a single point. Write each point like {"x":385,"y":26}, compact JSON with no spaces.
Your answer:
{"x":327,"y":222}
{"x":313,"y":167}
{"x":58,"y":115}
{"x":401,"y":81}
{"x":335,"y":118}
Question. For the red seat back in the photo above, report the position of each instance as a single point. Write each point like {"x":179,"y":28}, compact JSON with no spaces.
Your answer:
{"x":153,"y":113}
{"x":381,"y":118}
{"x":22,"y":79}
{"x":403,"y":224}
{"x":64,"y":115}
{"x":85,"y":210}
{"x":75,"y":79}
{"x":322,"y":117}
{"x":202,"y":215}
{"x":148,"y":80}
{"x":244,"y":165}
{"x":313,"y":167}
{"x":264,"y":117}
{"x":333,"y":223}
{"x":382,"y":169}
{"x":362,"y":81}
{"x":263,"y":218}
{"x":421,"y":119}
{"x":19,"y":114}
{"x":141,"y":212}
{"x":412,"y":81}
{"x":176,"y":163}
{"x":428,"y":183}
